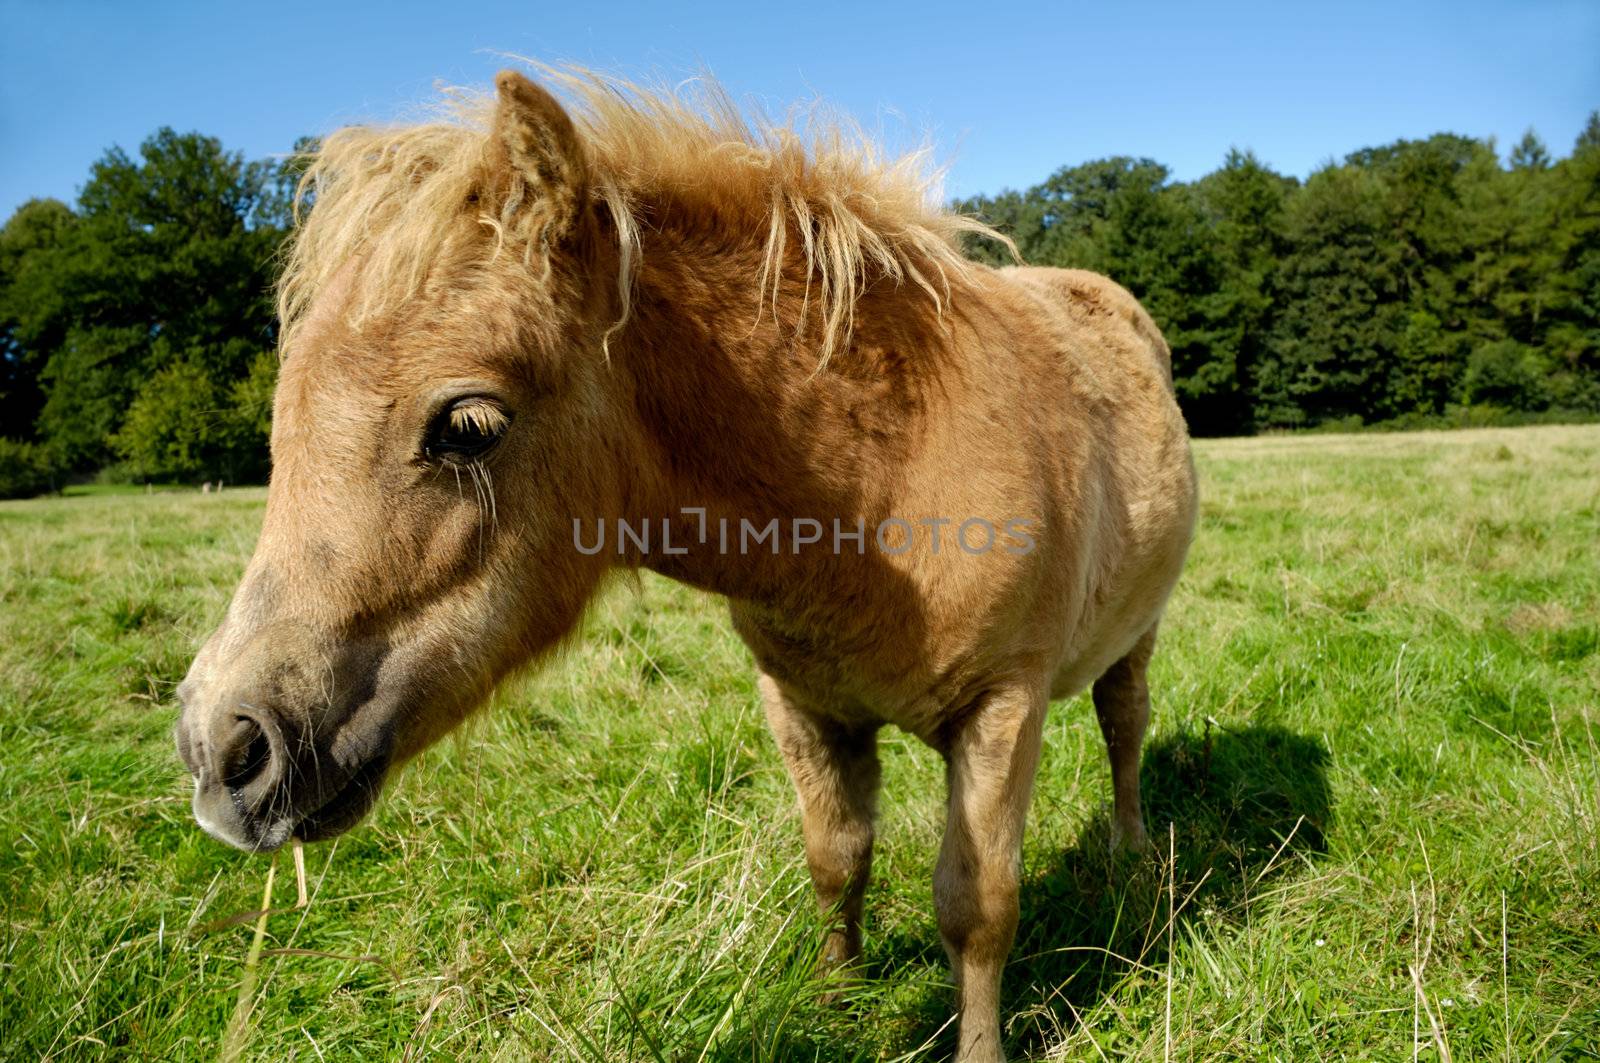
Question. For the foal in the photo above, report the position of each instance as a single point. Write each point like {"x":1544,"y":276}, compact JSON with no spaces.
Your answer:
{"x":936,"y":495}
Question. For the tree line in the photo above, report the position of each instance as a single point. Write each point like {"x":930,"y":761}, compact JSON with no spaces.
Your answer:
{"x":1419,"y":283}
{"x":137,"y":332}
{"x":1423,"y":282}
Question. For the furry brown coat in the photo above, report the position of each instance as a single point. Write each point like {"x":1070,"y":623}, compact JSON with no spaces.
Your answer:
{"x":507,"y":332}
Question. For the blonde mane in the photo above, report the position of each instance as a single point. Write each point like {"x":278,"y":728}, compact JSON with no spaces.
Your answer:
{"x":391,"y":196}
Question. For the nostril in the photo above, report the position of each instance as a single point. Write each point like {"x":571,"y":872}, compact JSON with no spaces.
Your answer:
{"x":249,"y":752}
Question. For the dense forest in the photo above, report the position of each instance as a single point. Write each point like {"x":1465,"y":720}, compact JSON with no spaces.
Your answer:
{"x":1423,"y":282}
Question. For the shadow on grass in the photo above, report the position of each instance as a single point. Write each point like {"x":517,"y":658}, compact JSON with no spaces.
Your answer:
{"x":1240,"y":807}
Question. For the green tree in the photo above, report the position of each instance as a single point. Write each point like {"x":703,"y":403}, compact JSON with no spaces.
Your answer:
{"x":34,"y":312}
{"x":167,"y":264}
{"x":1243,"y":203}
{"x":1530,"y":153}
{"x":186,"y":424}
{"x":172,"y":428}
{"x":26,"y":469}
{"x":1336,"y":324}
{"x":1506,"y":374}
{"x":1571,"y":328}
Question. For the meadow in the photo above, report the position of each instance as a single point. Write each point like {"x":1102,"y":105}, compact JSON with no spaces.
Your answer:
{"x":1373,"y":779}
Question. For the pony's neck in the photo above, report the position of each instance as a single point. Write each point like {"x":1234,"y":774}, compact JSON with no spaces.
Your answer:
{"x":734,"y":417}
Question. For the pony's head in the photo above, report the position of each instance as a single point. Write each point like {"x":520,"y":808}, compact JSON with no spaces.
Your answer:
{"x":441,"y":370}
{"x":446,"y":406}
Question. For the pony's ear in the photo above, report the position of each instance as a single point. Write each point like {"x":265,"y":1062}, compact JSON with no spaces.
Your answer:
{"x":536,"y":145}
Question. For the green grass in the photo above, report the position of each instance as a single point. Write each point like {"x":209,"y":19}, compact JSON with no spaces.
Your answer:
{"x":1374,"y":762}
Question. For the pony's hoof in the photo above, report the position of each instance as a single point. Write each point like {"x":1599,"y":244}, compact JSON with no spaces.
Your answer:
{"x":836,"y":980}
{"x":1129,"y":839}
{"x":836,"y":970}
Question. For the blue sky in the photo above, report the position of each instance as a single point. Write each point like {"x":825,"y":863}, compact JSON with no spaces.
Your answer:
{"x":1008,"y":92}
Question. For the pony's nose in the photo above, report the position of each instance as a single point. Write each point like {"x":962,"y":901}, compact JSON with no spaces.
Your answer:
{"x":249,"y":759}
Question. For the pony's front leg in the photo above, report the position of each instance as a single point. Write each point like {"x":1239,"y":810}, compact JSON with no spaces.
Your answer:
{"x":991,"y":760}
{"x":834,"y":767}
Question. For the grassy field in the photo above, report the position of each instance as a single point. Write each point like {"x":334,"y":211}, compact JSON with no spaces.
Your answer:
{"x":1374,"y":765}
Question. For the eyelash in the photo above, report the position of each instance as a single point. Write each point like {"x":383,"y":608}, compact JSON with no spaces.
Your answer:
{"x":478,"y":423}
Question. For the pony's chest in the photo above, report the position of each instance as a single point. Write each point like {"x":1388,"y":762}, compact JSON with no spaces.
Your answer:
{"x":855,"y":673}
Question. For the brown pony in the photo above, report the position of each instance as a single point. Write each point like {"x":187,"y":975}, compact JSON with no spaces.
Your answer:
{"x":529,"y":344}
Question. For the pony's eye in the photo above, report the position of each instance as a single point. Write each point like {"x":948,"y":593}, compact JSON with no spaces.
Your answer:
{"x":467,"y":428}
